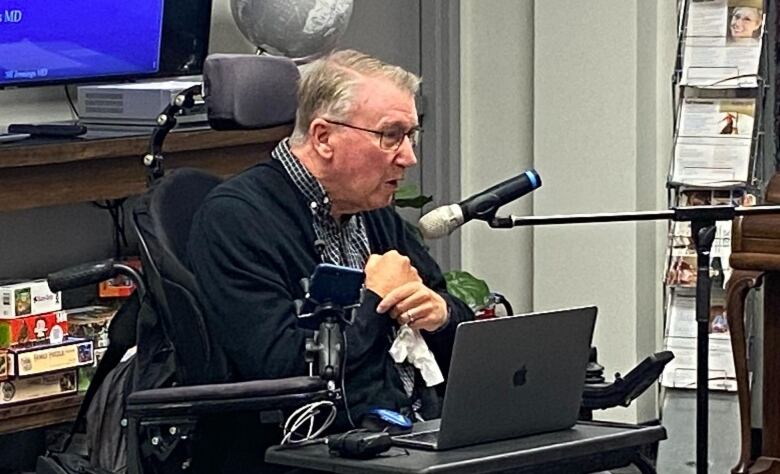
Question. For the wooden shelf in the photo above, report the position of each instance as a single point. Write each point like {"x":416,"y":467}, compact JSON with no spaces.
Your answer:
{"x":26,"y":416}
{"x":73,"y":171}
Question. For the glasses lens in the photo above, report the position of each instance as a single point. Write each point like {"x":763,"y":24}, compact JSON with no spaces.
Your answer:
{"x":414,"y":136}
{"x":392,"y":139}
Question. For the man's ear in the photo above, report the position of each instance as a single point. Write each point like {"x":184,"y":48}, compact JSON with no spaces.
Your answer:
{"x":321,"y":135}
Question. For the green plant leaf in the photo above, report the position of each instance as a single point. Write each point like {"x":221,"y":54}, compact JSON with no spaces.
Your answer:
{"x":468,"y":288}
{"x":409,"y":196}
{"x":416,"y":203}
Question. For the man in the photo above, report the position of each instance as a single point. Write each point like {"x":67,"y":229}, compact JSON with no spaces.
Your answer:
{"x":326,"y":197}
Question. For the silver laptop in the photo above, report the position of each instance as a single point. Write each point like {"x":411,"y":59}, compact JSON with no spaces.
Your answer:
{"x":511,"y":377}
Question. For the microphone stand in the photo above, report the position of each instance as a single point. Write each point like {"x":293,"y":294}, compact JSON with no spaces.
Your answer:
{"x":702,"y":219}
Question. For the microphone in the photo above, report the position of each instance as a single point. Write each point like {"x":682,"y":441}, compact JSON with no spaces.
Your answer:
{"x":483,"y":206}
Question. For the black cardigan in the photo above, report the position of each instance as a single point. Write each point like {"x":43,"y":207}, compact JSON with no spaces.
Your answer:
{"x":250,"y":245}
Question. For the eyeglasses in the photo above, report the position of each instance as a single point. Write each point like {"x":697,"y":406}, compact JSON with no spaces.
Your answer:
{"x":390,"y":139}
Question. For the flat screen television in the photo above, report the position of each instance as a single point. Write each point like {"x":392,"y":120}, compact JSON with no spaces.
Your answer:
{"x":45,"y":42}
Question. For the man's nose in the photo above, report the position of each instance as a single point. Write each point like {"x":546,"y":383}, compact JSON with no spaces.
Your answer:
{"x":406,"y":156}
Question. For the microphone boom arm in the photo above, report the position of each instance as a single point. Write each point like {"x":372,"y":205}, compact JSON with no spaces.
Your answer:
{"x":683,"y":214}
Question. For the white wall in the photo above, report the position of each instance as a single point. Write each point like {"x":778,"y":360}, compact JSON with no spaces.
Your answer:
{"x":225,"y":36}
{"x":41,"y":104}
{"x":580,"y":91}
{"x":497,"y":38}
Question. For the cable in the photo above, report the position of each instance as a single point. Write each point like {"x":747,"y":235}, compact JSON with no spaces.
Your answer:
{"x":116,"y":210}
{"x":343,"y":384}
{"x":73,"y":110}
{"x":305,"y":415}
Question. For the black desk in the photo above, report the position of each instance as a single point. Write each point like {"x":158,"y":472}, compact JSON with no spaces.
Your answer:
{"x":588,"y":447}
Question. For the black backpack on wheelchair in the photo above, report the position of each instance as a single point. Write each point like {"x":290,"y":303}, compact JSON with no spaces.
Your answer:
{"x":142,"y":415}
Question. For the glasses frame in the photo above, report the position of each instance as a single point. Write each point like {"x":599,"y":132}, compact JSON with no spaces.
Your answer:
{"x":413,"y":134}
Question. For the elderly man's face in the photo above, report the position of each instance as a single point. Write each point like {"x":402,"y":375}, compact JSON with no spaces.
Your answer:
{"x":744,"y":22}
{"x":366,"y":174}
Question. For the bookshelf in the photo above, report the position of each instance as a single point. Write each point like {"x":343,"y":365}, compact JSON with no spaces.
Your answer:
{"x":45,"y":173}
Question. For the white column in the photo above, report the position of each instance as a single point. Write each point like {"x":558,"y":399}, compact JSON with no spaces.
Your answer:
{"x":601,"y":144}
{"x":579,"y":91}
{"x":497,"y":136}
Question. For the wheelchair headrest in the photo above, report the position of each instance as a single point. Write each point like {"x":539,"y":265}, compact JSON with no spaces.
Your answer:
{"x":248,"y":91}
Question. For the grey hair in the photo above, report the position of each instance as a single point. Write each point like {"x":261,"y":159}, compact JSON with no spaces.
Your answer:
{"x":328,"y":86}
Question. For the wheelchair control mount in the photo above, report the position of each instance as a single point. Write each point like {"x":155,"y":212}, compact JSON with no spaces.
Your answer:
{"x":333,"y":294}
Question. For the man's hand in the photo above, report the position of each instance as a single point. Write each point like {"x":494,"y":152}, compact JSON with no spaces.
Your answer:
{"x":388,"y":271}
{"x":416,"y":305}
{"x":409,"y":301}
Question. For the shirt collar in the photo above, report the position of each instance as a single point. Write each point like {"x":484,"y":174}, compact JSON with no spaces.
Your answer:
{"x":312,"y":190}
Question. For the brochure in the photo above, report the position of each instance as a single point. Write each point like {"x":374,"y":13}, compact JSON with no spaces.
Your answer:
{"x":717,"y":63}
{"x":725,"y":118}
{"x":711,"y":162}
{"x":736,"y":20}
{"x":722,"y":43}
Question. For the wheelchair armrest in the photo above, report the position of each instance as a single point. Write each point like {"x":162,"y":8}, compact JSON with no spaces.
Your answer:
{"x":624,"y":390}
{"x":254,"y":395}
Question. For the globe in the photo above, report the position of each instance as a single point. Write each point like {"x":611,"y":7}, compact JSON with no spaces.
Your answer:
{"x":298,"y":29}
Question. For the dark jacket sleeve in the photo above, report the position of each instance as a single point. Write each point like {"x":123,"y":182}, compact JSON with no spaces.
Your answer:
{"x":246,"y":291}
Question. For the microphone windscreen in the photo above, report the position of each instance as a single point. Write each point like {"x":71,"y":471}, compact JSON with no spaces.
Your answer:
{"x":441,"y":221}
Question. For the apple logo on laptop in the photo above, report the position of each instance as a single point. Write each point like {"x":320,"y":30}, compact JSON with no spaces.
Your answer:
{"x":519,"y":378}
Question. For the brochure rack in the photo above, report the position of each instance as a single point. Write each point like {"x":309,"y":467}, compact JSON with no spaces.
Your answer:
{"x":720,"y":93}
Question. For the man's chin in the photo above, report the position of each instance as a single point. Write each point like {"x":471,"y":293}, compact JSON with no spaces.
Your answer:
{"x":384,"y":202}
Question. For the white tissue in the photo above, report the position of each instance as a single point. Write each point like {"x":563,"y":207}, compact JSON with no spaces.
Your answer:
{"x":410,"y":345}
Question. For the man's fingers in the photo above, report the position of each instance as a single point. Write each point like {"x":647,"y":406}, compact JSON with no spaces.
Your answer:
{"x":388,"y":271}
{"x":415,"y":314}
{"x":397,"y":295}
{"x":373,"y":259}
